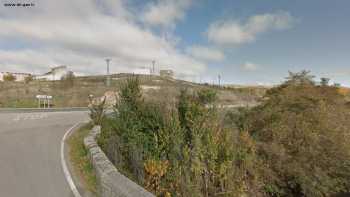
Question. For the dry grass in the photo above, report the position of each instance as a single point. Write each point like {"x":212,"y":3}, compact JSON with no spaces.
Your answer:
{"x":346,"y":92}
{"x":79,"y":158}
{"x":19,"y":94}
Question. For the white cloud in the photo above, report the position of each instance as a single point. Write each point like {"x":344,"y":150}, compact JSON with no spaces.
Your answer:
{"x":205,"y":53}
{"x":248,"y":66}
{"x":233,"y":32}
{"x":81,"y":34}
{"x":166,"y":13}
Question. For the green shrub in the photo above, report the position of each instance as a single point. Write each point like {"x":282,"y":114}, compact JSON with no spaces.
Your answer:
{"x":134,"y":132}
{"x":302,"y":133}
{"x":9,"y":77}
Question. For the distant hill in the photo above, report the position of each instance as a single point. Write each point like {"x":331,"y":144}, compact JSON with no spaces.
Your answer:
{"x":74,"y":92}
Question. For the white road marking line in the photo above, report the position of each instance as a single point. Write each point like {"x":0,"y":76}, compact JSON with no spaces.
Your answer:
{"x":64,"y":164}
{"x":31,"y":116}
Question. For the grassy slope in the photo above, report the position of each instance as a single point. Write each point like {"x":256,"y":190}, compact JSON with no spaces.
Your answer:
{"x":79,"y":158}
{"x":345,"y":92}
{"x":18,"y":94}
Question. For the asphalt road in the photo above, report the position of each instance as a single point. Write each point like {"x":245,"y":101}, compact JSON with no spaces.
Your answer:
{"x":30,"y":163}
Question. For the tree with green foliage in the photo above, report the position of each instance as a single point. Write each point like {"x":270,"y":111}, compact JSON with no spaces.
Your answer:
{"x":135,"y":130}
{"x":324,"y":81}
{"x":9,"y":77}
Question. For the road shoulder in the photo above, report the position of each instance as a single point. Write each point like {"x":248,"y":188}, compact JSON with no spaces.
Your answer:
{"x":77,"y":161}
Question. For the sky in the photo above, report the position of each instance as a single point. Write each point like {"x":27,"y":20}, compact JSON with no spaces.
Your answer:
{"x":248,"y":42}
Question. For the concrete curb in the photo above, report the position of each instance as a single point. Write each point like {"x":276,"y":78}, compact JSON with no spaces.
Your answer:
{"x":111,"y":182}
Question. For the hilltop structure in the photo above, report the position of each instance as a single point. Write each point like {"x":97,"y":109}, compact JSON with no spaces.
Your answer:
{"x":166,"y":73}
{"x":56,"y":73}
{"x":141,"y":71}
{"x":18,"y":76}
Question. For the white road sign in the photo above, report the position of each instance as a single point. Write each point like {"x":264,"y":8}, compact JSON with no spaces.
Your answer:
{"x":41,"y":96}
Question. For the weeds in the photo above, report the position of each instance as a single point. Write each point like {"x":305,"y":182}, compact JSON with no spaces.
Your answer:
{"x":79,"y":157}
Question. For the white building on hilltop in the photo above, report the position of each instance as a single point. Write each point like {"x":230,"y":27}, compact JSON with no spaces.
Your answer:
{"x":18,"y":76}
{"x":56,"y":73}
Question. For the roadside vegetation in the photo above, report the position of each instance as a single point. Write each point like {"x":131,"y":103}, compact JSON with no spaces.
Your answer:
{"x":295,"y":143}
{"x":79,"y":158}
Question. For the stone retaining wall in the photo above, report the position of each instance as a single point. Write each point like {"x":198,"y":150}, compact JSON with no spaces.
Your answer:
{"x":111,"y":183}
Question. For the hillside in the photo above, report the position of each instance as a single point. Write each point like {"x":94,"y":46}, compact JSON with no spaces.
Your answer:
{"x":74,"y":93}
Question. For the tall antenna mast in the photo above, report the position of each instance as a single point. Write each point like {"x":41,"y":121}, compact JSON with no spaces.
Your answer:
{"x":108,"y":76}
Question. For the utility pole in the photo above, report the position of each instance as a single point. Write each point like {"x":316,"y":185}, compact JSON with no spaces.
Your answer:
{"x":153,"y":67}
{"x":108,"y":82}
{"x":219,"y":79}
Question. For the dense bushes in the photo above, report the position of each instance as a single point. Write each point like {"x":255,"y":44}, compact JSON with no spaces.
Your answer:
{"x":303,"y":134}
{"x":296,"y":143}
{"x":181,"y":151}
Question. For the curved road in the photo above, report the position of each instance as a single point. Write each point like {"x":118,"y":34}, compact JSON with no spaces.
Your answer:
{"x":30,"y":163}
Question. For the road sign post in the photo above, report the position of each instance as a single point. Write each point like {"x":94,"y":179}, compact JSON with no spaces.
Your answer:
{"x":45,"y":99}
{"x":48,"y":100}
